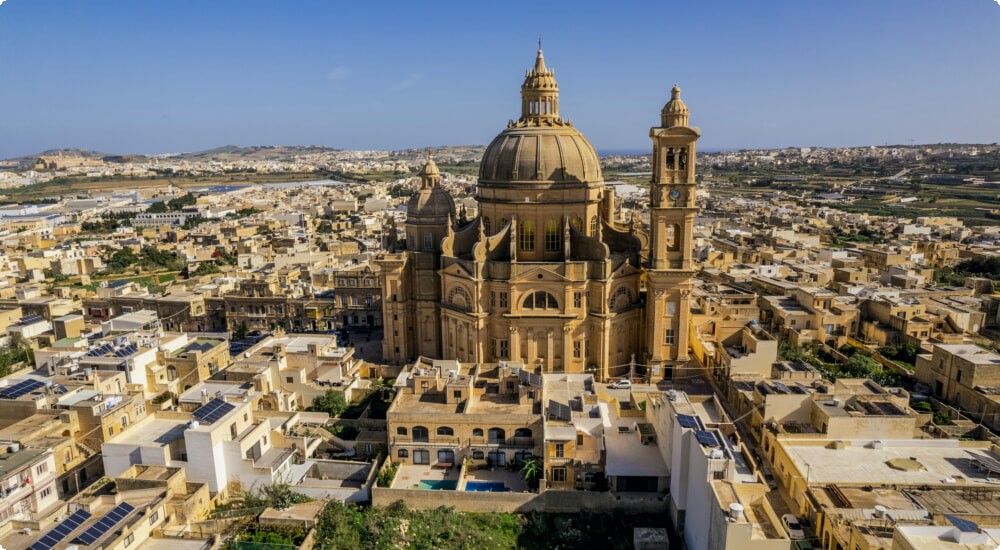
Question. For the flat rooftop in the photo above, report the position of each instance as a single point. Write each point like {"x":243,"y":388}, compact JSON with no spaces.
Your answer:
{"x":216,"y":388}
{"x":626,"y":454}
{"x":859,"y":463}
{"x":152,"y":432}
{"x":13,"y":462}
{"x":971,"y":353}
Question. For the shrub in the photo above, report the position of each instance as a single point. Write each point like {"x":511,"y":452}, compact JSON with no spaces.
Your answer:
{"x":942,"y":419}
{"x":387,"y":474}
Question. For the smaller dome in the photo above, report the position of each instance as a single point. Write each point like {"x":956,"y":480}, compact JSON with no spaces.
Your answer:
{"x":431,"y":204}
{"x":675,"y":112}
{"x":431,"y":168}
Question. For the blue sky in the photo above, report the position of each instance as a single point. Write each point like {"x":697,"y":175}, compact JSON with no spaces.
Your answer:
{"x":130,"y":76}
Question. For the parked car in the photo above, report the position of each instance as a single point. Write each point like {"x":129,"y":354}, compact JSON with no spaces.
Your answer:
{"x":621,"y":385}
{"x":793,"y":527}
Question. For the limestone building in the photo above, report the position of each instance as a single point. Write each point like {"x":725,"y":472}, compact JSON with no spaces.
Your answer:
{"x":546,"y":274}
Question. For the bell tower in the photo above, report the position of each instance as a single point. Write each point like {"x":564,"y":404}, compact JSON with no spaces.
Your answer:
{"x":671,"y":261}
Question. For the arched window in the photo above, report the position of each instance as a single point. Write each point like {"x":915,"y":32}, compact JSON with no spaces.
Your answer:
{"x":540,"y":300}
{"x":553,"y":237}
{"x":593,"y":226}
{"x":401,"y":431}
{"x":477,"y":455}
{"x":486,"y":226}
{"x":420,"y":434}
{"x":445,"y":430}
{"x":477,"y":432}
{"x":403,"y":453}
{"x":503,"y":223}
{"x":621,"y":298}
{"x":577,"y":223}
{"x":526,"y":235}
{"x":522,"y":432}
{"x":496,"y":435}
{"x":459,"y":297}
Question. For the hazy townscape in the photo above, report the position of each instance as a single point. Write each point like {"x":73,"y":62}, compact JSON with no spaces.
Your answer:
{"x":524,"y":343}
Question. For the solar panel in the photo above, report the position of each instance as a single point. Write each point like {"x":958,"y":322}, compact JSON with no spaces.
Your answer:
{"x":61,"y":531}
{"x":561,"y":411}
{"x":688,"y":421}
{"x":782,"y":388}
{"x":21,"y":388}
{"x":105,"y":524}
{"x":101,"y":351}
{"x":963,"y":525}
{"x":126,"y":351}
{"x":706,"y":438}
{"x":213,"y":410}
{"x":28,"y":319}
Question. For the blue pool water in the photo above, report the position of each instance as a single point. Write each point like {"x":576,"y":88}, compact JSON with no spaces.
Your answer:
{"x":438,"y":484}
{"x":487,"y":486}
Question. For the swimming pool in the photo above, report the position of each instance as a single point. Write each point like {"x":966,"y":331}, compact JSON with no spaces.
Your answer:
{"x":438,"y":484}
{"x":487,"y":486}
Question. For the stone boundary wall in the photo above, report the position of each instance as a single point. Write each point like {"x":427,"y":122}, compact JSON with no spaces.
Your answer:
{"x":549,"y":501}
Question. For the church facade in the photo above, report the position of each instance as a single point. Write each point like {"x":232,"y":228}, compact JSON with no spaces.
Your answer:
{"x":545,"y":274}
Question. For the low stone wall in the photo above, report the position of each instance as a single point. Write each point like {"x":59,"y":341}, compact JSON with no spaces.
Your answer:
{"x":549,"y":501}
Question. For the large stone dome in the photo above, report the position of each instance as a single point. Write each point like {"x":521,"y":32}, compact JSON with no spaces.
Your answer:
{"x":540,"y":147}
{"x":541,"y":154}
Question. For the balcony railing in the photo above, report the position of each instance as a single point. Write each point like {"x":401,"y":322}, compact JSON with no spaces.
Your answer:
{"x":440,"y":441}
{"x":432,"y":441}
{"x":516,"y":442}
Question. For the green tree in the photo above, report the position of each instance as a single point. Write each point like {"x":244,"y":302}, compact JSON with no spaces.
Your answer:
{"x":331,"y":402}
{"x":193,"y":222}
{"x":11,"y":356}
{"x":205,"y":268}
{"x":224,"y":256}
{"x":241,"y":331}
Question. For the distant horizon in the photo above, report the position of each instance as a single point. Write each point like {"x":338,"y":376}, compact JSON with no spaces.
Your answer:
{"x":621,"y":151}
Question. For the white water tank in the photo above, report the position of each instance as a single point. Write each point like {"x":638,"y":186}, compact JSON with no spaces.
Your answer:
{"x":193,"y":424}
{"x":880,"y":511}
{"x":672,"y":395}
{"x":736,"y":511}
